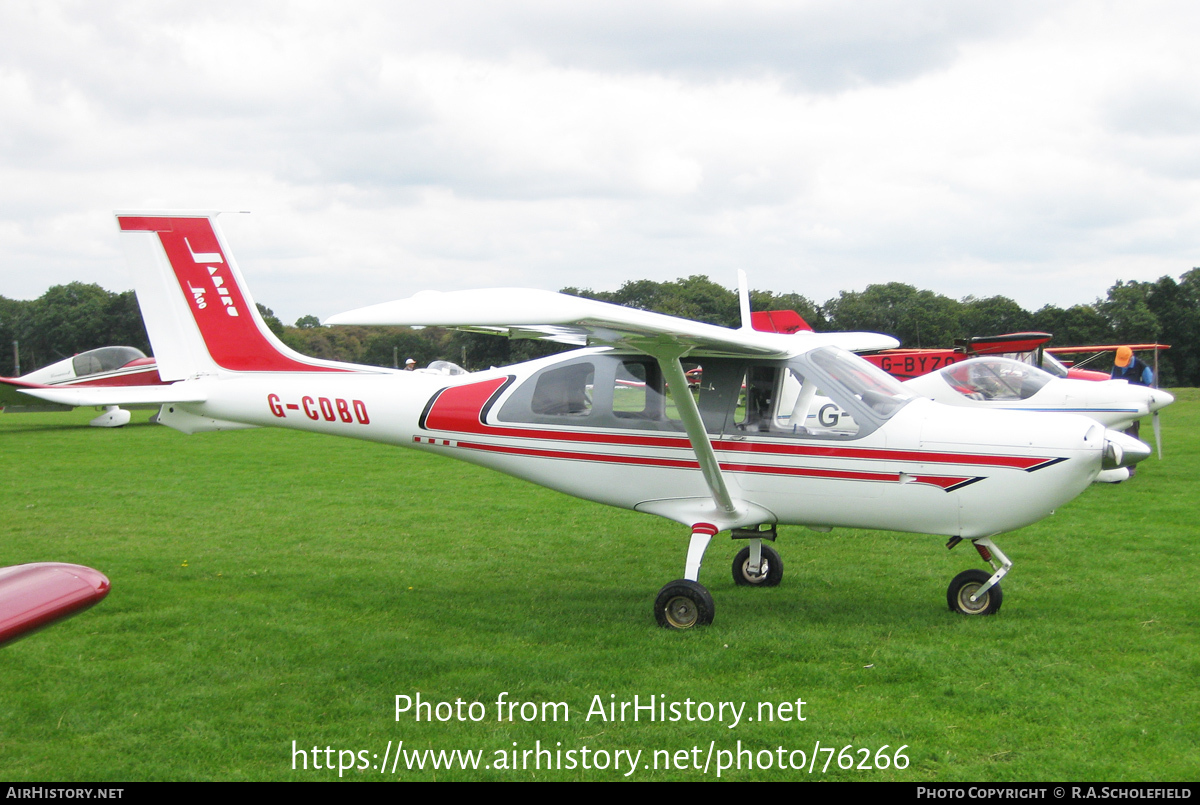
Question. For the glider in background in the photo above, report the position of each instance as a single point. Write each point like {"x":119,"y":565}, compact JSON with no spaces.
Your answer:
{"x":615,"y":422}
{"x":126,"y":369}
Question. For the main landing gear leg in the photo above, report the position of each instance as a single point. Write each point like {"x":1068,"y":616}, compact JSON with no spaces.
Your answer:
{"x":685,"y":603}
{"x":974,"y":592}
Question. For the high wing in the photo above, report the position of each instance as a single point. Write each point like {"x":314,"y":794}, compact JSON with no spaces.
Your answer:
{"x":1099,"y":350}
{"x":1105,"y":348}
{"x":80,"y":396}
{"x":531,"y":313}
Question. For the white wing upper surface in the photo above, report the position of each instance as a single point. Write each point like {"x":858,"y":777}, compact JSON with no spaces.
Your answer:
{"x":531,"y":313}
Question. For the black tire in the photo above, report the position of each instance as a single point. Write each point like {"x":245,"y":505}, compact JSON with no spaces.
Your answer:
{"x":772,"y":568}
{"x":683,"y":604}
{"x":958,"y":595}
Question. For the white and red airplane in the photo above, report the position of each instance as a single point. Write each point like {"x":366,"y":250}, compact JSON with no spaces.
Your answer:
{"x":107,"y":367}
{"x":722,"y":459}
{"x":1005,"y":383}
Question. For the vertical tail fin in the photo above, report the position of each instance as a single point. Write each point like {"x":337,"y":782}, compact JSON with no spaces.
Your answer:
{"x":767,"y":321}
{"x":744,"y":300}
{"x":779,"y":321}
{"x":198,"y":313}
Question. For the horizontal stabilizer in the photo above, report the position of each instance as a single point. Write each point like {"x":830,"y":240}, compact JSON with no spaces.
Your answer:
{"x":78,"y":396}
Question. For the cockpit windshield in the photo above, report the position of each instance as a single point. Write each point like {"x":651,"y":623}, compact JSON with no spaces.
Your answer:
{"x":104,"y":359}
{"x":834,"y":394}
{"x":995,"y":379}
{"x":1049,"y":364}
{"x":869,"y":384}
{"x":1054,"y":366}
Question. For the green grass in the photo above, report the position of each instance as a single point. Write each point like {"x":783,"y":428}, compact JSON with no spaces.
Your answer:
{"x":271,"y":586}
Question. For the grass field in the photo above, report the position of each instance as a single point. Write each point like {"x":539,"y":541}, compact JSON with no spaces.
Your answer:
{"x":272,"y":586}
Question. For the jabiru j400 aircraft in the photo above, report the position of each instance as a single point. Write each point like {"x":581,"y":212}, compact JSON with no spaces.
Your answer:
{"x":615,"y":421}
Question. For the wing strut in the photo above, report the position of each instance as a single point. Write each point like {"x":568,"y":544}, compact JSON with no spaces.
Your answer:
{"x":668,"y":356}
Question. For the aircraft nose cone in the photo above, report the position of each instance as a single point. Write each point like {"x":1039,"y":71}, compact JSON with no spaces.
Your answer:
{"x":1122,"y":450}
{"x":1160,"y":399}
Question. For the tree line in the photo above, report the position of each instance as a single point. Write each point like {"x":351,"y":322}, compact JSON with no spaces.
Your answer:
{"x":69,"y":319}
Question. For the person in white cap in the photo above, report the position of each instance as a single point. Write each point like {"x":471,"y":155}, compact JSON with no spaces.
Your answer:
{"x":410,"y":365}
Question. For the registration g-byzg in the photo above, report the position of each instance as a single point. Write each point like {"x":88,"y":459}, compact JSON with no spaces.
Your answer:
{"x":719,"y":430}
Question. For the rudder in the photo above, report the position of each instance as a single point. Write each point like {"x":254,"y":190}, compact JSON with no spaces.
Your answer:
{"x":198,"y":313}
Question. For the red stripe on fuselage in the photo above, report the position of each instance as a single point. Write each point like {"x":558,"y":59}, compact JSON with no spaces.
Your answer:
{"x":142,"y":376}
{"x":942,"y":482}
{"x":459,"y":409}
{"x":214,"y":296}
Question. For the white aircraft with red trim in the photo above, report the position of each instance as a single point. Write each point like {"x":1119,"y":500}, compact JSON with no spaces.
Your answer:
{"x":615,"y":422}
{"x":106,"y":367}
{"x":1006,"y":383}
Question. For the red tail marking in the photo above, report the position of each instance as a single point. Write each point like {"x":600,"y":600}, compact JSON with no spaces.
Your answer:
{"x":215,"y":298}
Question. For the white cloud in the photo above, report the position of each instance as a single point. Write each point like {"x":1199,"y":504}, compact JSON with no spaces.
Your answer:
{"x":1040,"y":152}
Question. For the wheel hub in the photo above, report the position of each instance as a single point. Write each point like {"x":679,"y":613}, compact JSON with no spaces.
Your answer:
{"x":754,"y":578}
{"x":965,"y":602}
{"x":682,"y":612}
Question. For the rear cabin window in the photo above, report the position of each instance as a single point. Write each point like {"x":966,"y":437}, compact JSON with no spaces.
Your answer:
{"x":565,"y":391}
{"x":611,"y":391}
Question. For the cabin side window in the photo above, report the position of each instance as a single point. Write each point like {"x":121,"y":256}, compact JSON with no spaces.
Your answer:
{"x":625,"y":392}
{"x":824,"y":394}
{"x":780,"y":401}
{"x":565,"y":392}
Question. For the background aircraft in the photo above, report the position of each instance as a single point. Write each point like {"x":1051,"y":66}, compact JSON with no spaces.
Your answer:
{"x":1097,"y":351}
{"x":106,"y":367}
{"x":1004,"y":383}
{"x":718,"y":460}
{"x":1030,"y":348}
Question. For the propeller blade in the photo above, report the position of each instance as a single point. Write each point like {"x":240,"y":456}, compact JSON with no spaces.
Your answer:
{"x":1157,"y":434}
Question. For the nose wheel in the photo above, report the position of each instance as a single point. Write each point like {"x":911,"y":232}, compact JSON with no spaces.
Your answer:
{"x":967,"y":584}
{"x":977,"y":592}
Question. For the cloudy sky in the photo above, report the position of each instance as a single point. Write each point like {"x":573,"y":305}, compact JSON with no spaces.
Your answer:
{"x":1039,"y":150}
